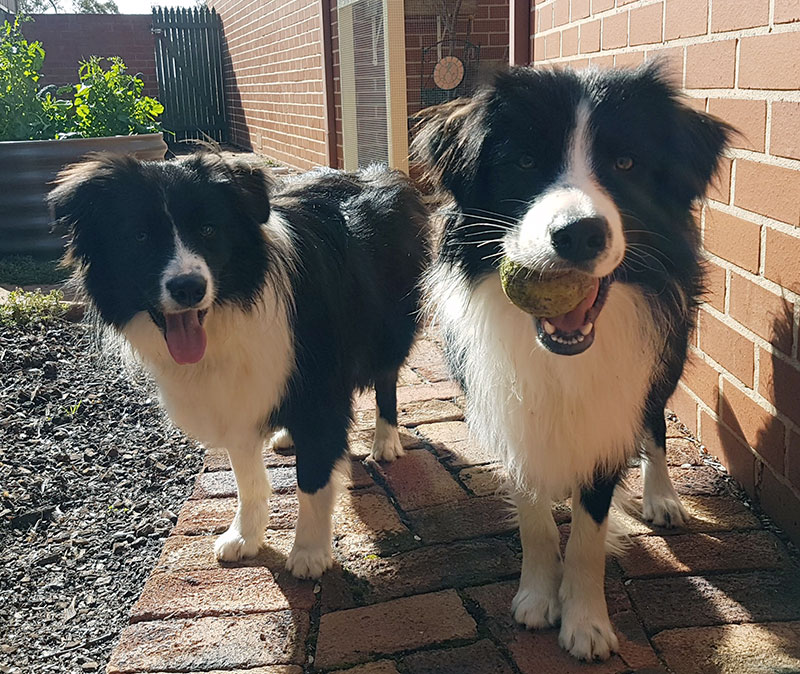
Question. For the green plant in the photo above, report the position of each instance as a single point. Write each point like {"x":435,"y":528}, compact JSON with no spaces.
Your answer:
{"x":110,"y":102}
{"x":22,"y":308}
{"x":23,"y":270}
{"x":106,"y":101}
{"x":23,"y":113}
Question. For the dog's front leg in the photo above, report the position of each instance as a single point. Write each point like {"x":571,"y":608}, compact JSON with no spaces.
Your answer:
{"x":246,"y":533}
{"x":586,"y":630}
{"x":321,"y":449}
{"x":661,"y":504}
{"x":536,"y":603}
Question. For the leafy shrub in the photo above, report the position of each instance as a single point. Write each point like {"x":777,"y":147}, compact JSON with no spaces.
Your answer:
{"x":22,"y":308}
{"x":106,"y":102}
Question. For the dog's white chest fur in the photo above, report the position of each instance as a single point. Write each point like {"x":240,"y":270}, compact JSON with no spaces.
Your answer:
{"x":552,"y":418}
{"x":223,"y":400}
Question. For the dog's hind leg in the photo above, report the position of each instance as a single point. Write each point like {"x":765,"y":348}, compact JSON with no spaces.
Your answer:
{"x":386,"y":445}
{"x":246,"y":533}
{"x":536,"y":603}
{"x":586,"y":630}
{"x":660,"y":503}
{"x":321,"y":449}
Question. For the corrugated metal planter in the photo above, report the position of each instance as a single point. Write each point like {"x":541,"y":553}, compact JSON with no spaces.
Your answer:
{"x":27,"y":168}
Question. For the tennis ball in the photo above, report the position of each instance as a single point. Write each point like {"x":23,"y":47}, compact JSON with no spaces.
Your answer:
{"x":547,"y":296}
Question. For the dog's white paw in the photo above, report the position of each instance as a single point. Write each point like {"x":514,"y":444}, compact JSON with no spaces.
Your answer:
{"x":536,"y":609}
{"x":587,"y":635}
{"x":280,"y":440}
{"x":664,"y":510}
{"x":309,"y":562}
{"x":387,"y":445}
{"x":233,"y":546}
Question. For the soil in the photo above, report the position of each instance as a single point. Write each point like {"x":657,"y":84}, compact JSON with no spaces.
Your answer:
{"x":92,"y":477}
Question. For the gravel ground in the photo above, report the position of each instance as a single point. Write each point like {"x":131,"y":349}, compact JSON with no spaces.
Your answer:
{"x":91,"y":480}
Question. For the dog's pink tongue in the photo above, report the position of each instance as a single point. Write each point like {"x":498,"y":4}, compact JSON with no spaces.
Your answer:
{"x":575,"y":319}
{"x":186,"y":338}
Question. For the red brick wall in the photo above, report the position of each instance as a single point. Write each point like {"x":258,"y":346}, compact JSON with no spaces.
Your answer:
{"x":69,"y":38}
{"x":272,"y":59}
{"x":741,"y":61}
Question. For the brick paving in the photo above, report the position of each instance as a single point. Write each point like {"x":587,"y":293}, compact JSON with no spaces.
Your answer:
{"x":427,"y":561}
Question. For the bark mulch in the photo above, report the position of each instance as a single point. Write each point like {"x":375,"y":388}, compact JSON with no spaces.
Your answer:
{"x":91,"y":479}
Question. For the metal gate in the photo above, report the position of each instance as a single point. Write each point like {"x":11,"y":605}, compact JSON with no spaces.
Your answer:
{"x":189,"y":70}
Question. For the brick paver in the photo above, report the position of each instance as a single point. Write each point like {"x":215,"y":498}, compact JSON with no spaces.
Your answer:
{"x":355,"y":635}
{"x":427,"y":561}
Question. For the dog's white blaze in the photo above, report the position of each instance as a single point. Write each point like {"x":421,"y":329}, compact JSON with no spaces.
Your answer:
{"x":223,"y":400}
{"x":185,"y":261}
{"x":576,"y":194}
{"x":553,"y":419}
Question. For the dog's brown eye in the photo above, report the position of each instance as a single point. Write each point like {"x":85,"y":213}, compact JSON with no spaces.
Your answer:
{"x":525,"y":161}
{"x":624,"y":163}
{"x":206,"y":231}
{"x":141,"y":237}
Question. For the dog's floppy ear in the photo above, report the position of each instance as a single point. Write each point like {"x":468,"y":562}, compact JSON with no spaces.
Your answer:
{"x":700,"y":140}
{"x":74,"y":207}
{"x":449,"y":142}
{"x":697,"y":140}
{"x":248,"y":175}
{"x":255,"y":182}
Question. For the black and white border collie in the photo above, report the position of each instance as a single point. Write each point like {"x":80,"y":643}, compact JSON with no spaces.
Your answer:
{"x":255,"y":311}
{"x":596,"y":171}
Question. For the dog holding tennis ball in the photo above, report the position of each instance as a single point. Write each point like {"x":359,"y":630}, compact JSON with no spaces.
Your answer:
{"x":573,"y":196}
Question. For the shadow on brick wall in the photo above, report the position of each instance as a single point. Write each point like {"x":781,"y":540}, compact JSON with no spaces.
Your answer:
{"x":238,"y":132}
{"x":765,"y":474}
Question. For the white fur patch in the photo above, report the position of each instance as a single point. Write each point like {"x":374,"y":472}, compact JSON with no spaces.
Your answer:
{"x":661,"y":504}
{"x":311,"y":554}
{"x":386,"y":445}
{"x":576,"y":194}
{"x":246,"y":533}
{"x":281,"y":439}
{"x":553,"y":419}
{"x":586,"y":630}
{"x":537,"y":603}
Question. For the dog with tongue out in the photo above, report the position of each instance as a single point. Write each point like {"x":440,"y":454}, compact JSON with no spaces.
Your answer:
{"x":259,"y":310}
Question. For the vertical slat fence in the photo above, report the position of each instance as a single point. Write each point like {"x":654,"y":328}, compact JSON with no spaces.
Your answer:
{"x":189,"y":68}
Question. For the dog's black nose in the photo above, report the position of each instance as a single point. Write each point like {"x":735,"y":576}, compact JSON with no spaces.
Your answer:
{"x":187,"y":289}
{"x":580,"y":240}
